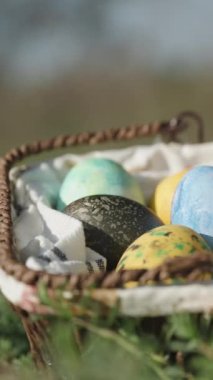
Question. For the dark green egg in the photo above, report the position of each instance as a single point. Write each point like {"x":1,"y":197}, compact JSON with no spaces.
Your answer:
{"x":111,"y":223}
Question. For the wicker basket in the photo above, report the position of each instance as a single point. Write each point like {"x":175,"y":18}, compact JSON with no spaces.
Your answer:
{"x":105,"y":288}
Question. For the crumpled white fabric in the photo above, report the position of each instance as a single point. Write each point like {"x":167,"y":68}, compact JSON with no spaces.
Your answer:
{"x":49,"y":240}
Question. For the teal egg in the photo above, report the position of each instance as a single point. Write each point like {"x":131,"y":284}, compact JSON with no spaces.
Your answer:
{"x":96,"y":176}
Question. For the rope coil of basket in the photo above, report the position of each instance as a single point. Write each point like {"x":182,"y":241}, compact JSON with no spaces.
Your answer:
{"x":107,"y":288}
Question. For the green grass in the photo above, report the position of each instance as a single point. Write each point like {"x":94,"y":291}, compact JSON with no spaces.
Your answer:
{"x":114,"y":347}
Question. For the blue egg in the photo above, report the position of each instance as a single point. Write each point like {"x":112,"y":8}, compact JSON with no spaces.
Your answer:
{"x":192,"y":204}
{"x":98,"y":176}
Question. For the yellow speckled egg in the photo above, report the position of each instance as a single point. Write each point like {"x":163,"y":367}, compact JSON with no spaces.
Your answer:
{"x":153,"y":247}
{"x":161,"y":200}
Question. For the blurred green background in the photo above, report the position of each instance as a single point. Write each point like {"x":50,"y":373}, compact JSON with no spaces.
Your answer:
{"x":79,"y":65}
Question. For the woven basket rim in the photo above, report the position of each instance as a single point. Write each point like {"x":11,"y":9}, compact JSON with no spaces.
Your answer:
{"x":109,"y":280}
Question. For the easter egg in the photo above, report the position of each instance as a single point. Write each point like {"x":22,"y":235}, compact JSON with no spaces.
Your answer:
{"x":163,"y":195}
{"x":111,"y":223}
{"x":98,"y":176}
{"x":192,"y":205}
{"x":153,"y":247}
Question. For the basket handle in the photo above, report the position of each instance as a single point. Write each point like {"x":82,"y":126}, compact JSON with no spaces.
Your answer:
{"x":171,"y":129}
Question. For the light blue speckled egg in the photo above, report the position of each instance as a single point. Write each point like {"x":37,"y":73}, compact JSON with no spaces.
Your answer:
{"x":96,"y":176}
{"x":193,"y":202}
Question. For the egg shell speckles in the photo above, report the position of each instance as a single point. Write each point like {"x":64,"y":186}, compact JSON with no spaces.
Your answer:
{"x":193,"y":201}
{"x":98,"y":176}
{"x":111,"y":223}
{"x":153,"y":247}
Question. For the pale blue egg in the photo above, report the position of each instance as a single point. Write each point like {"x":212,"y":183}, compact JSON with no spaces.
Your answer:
{"x":96,"y":176}
{"x":192,"y":204}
